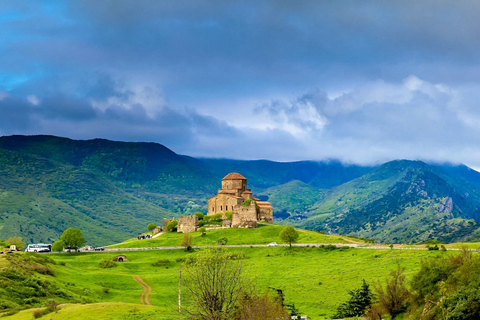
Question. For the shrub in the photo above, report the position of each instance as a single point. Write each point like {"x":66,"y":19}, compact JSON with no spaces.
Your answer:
{"x":199,"y":215}
{"x":180,"y":259}
{"x":151,"y":226}
{"x":37,"y":313}
{"x":229,"y":215}
{"x":222,"y":241}
{"x":106,"y":289}
{"x":201,"y":223}
{"x":160,"y":263}
{"x":107,"y":264}
{"x":43,"y":269}
{"x":172,"y":226}
{"x":52,"y":305}
{"x":433,"y":248}
{"x":203,"y":231}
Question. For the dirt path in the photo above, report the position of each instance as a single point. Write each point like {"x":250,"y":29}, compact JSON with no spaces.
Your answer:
{"x":144,"y":297}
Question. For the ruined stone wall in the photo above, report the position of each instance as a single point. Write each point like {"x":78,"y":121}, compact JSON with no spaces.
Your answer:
{"x":245,"y":217}
{"x":265,"y":214}
{"x":158,"y":229}
{"x":165,"y":222}
{"x":227,"y":223}
{"x":187,"y":224}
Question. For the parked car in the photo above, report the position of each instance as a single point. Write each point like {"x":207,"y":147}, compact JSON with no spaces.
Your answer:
{"x":99,"y":248}
{"x":272,"y":244}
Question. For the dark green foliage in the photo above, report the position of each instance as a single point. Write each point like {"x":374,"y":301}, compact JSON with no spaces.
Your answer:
{"x":229,"y":215}
{"x":222,"y":241}
{"x":435,"y":247}
{"x":203,"y":231}
{"x":16,"y":241}
{"x":360,"y":300}
{"x":161,"y":263}
{"x":172,"y":226}
{"x":107,"y":264}
{"x":199,"y":215}
{"x":151,"y":226}
{"x":72,"y":239}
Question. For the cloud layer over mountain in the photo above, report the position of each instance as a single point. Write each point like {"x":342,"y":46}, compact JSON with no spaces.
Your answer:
{"x":362,"y":82}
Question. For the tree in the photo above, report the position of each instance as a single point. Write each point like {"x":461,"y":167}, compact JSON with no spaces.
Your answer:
{"x":58,"y":246}
{"x":289,"y":235}
{"x":394,"y":297}
{"x":72,"y":238}
{"x":187,"y":241}
{"x":215,"y":281}
{"x":151,"y":226}
{"x":172,"y":225}
{"x":360,"y":300}
{"x":16,"y":241}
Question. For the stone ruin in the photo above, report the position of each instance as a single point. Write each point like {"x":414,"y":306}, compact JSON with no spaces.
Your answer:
{"x":187,"y":224}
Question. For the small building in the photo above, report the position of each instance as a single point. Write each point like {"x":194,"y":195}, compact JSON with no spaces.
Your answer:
{"x":120,"y":258}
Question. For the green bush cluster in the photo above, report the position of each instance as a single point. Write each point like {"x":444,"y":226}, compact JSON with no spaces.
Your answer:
{"x":107,"y":264}
{"x":160,"y":263}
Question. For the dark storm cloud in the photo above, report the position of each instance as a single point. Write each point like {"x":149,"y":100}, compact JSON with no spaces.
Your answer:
{"x":394,"y":79}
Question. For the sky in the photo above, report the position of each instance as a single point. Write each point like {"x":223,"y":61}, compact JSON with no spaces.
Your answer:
{"x":363,"y":82}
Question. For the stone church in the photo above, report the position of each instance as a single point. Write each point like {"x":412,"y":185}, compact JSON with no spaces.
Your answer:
{"x":235,"y":197}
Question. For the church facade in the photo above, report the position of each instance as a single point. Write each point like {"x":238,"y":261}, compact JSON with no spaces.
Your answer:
{"x":234,"y":196}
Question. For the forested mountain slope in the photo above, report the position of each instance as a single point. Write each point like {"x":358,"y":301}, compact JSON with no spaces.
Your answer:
{"x":112,"y":190}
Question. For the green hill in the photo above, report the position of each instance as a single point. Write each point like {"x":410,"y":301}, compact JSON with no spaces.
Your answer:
{"x":113,"y":190}
{"x":401,"y":201}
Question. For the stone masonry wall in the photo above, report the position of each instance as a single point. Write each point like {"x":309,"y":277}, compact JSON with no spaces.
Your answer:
{"x":245,"y":217}
{"x":187,"y":224}
{"x":165,"y":222}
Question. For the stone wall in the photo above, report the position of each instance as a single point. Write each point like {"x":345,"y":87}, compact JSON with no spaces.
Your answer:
{"x":187,"y":224}
{"x":158,"y":229}
{"x":227,"y":223}
{"x":165,"y":222}
{"x":245,"y":217}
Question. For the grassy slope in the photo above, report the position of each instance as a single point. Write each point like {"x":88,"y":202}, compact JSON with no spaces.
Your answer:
{"x":96,"y":311}
{"x":265,"y":233}
{"x":314,"y":279}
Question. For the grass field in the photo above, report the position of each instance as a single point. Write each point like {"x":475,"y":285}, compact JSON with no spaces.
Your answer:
{"x":315,"y":280}
{"x":262,"y":235}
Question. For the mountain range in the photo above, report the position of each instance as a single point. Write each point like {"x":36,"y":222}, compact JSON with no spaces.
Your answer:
{"x":113,"y":190}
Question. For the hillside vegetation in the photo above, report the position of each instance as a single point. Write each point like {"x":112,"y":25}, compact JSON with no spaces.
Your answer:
{"x":113,"y":190}
{"x":316,"y":280}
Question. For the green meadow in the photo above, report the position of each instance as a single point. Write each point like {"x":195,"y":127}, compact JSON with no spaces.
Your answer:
{"x":315,"y":279}
{"x":264,"y":234}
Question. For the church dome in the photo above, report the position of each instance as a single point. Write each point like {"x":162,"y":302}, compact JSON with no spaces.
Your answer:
{"x":234,"y":176}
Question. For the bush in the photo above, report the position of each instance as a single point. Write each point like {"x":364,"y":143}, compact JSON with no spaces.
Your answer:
{"x":199,"y":215}
{"x":52,"y":305}
{"x":151,"y":226}
{"x":172,"y":226}
{"x":222,"y":241}
{"x":43,"y":269}
{"x":160,"y":263}
{"x":180,"y":259}
{"x":201,"y":223}
{"x":229,"y":215}
{"x":106,"y":289}
{"x":107,"y":264}
{"x":37,"y":313}
{"x":203,"y":231}
{"x":433,"y":248}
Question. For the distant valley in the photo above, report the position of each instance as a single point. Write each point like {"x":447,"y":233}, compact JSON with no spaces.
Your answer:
{"x":112,"y":190}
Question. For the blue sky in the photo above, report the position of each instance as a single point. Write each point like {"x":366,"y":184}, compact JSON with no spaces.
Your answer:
{"x":359,"y":81}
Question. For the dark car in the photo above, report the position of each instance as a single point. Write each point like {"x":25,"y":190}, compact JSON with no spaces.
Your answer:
{"x":99,"y":248}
